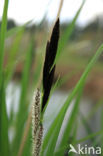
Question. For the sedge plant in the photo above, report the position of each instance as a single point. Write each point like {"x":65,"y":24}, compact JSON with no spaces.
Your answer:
{"x":37,"y":143}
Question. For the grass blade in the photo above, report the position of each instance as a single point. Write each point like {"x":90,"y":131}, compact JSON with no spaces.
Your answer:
{"x":85,"y":124}
{"x":2,"y":37}
{"x":52,"y":134}
{"x":16,"y":29}
{"x":67,"y":34}
{"x":23,"y":108}
{"x":88,"y":137}
{"x":71,"y":121}
{"x":13,"y":55}
{"x":4,"y":141}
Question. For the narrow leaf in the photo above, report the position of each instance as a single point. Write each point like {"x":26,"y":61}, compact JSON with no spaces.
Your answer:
{"x":67,"y":34}
{"x":4,"y":141}
{"x":51,"y":137}
{"x":2,"y":37}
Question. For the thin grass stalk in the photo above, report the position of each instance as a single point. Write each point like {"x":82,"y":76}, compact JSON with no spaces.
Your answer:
{"x":57,"y":16}
{"x":60,"y":8}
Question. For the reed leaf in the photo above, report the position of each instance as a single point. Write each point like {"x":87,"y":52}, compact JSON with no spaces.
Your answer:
{"x":2,"y":37}
{"x":51,"y":137}
{"x":23,"y":109}
{"x":11,"y":65}
{"x":71,"y":121}
{"x":16,"y":29}
{"x":4,"y":140}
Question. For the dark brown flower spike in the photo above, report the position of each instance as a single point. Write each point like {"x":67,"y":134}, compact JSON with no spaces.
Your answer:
{"x":48,"y":71}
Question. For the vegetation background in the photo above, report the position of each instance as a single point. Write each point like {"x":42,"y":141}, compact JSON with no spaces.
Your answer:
{"x":22,"y":50}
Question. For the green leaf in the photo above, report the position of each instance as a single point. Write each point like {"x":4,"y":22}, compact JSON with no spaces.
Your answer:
{"x":23,"y":108}
{"x":4,"y":141}
{"x":64,"y":79}
{"x":88,"y":137}
{"x":13,"y":55}
{"x":71,"y":121}
{"x":2,"y":37}
{"x":75,"y":142}
{"x":16,"y":29}
{"x":71,"y":139}
{"x":95,"y":108}
{"x":67,"y":34}
{"x":51,"y":137}
{"x":86,"y":125}
{"x":28,"y":145}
